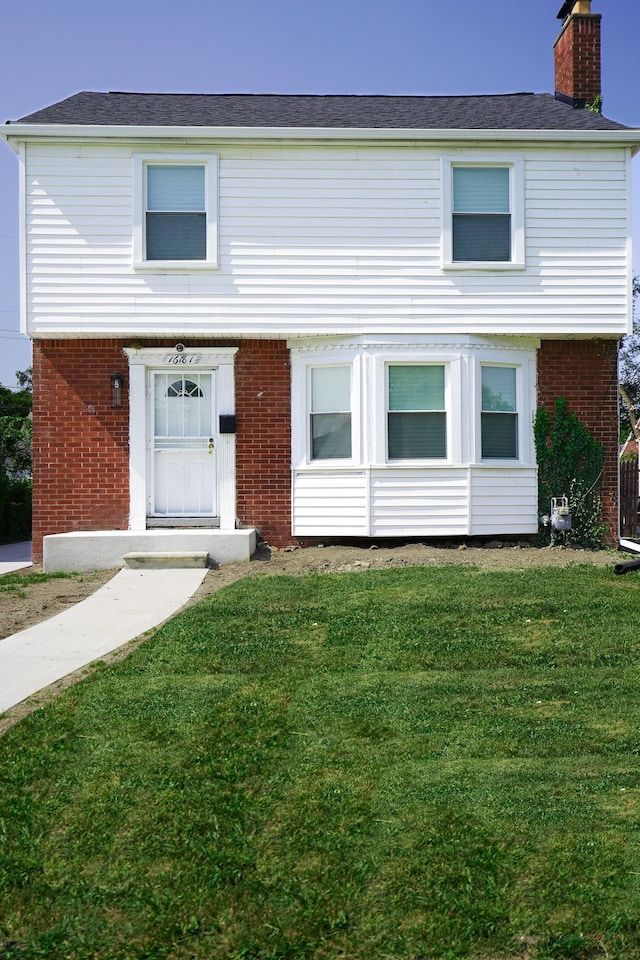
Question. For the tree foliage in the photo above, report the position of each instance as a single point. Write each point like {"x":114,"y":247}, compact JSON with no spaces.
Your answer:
{"x":629,"y":373}
{"x":15,"y":426}
{"x":15,"y":458}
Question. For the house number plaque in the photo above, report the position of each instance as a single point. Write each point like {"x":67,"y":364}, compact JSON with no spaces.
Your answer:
{"x":182,"y":359}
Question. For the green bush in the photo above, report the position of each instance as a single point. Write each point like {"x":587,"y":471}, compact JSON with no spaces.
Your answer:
{"x":570,"y":464}
{"x":15,"y":507}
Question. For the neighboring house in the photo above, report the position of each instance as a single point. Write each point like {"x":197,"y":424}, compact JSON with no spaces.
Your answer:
{"x":319,"y":317}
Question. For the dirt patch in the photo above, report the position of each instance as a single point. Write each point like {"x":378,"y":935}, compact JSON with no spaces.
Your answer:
{"x":26,"y":603}
{"x":32,"y":603}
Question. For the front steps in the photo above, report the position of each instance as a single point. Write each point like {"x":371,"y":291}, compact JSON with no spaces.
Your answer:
{"x":176,"y":560}
{"x":82,"y":551}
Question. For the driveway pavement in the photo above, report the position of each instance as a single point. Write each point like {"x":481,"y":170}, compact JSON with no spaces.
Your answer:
{"x":131,"y":603}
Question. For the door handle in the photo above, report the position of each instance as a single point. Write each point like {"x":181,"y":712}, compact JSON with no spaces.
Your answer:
{"x":211,"y":445}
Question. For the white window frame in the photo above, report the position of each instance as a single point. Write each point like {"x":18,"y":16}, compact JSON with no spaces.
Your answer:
{"x":309,"y":412}
{"x":516,"y":211}
{"x":446,"y":410}
{"x":301,"y":408}
{"x":140,"y":163}
{"x":525,"y":409}
{"x":517,"y":411}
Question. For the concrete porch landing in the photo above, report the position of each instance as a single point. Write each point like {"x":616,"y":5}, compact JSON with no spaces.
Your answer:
{"x":105,"y":549}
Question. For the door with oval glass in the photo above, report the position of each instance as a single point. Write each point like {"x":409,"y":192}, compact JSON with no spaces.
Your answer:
{"x":183,"y":455}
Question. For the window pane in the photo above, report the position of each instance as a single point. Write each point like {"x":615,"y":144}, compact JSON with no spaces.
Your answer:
{"x":330,"y":389}
{"x":416,"y":388}
{"x":176,"y":236}
{"x":499,"y":388}
{"x":481,"y":237}
{"x":481,"y":189}
{"x":500,"y":436}
{"x":417,"y":435}
{"x":175,"y":188}
{"x":330,"y":436}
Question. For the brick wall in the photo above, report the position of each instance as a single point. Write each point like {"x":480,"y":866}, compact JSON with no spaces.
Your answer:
{"x":263,"y":440}
{"x":81,"y":444}
{"x":577,"y":58}
{"x":584,"y":372}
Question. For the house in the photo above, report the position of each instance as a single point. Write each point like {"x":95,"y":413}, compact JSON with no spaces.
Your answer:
{"x":317,"y":316}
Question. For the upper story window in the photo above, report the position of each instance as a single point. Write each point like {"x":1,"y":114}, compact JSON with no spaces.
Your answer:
{"x":416,"y":416}
{"x":330,"y":413}
{"x":499,"y":414}
{"x":483,"y":215}
{"x":175,"y":221}
{"x":176,"y":215}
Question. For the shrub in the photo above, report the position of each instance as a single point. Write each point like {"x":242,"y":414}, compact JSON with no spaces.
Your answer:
{"x":15,"y":507}
{"x":570,"y":464}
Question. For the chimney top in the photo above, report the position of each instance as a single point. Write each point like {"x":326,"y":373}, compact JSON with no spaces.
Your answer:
{"x":581,"y":6}
{"x":577,"y":56}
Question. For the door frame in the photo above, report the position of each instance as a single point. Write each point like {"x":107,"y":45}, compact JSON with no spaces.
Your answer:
{"x":158,"y":382}
{"x":179,"y":358}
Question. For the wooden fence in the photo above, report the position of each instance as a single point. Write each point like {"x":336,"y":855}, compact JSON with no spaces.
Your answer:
{"x":629,"y":495}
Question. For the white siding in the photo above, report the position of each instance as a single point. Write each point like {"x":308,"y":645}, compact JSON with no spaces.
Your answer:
{"x":503,"y":500}
{"x":330,"y":503}
{"x":414,"y":502}
{"x":335,"y":239}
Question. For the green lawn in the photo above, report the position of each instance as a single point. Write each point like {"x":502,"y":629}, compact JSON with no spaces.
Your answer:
{"x":418,"y":763}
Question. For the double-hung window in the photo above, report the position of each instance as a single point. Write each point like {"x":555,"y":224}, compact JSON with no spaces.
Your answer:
{"x":483,"y":215}
{"x":499,"y":415}
{"x":176,"y":221}
{"x":330,"y":413}
{"x":416,"y":415}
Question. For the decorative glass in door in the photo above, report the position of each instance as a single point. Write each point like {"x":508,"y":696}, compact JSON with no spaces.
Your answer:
{"x":183,"y":454}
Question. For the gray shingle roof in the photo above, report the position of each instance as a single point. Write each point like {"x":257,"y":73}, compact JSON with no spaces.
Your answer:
{"x":512,"y":111}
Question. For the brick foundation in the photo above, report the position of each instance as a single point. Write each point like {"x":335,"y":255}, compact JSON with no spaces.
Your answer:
{"x":585,"y":373}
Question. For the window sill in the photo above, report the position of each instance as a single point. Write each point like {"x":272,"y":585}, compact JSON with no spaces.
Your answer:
{"x":482,"y":265}
{"x":174,"y":265}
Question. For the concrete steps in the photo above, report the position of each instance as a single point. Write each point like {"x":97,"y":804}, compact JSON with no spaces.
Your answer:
{"x":106,"y":549}
{"x":170,"y":559}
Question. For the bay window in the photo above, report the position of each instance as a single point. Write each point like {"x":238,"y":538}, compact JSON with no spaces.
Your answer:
{"x":416,"y":417}
{"x":330,"y":413}
{"x":499,"y":417}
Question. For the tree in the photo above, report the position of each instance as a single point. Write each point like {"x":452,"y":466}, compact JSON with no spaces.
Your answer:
{"x":15,"y":459}
{"x":15,"y":426}
{"x":629,"y":375}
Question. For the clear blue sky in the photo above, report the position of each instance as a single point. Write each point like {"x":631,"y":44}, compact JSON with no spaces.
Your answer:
{"x":51,"y":50}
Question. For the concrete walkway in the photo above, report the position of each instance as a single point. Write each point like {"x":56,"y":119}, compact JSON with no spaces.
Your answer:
{"x":131,"y":603}
{"x":14,"y":556}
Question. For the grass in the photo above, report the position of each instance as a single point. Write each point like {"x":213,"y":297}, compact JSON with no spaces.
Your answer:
{"x":15,"y":583}
{"x":426,"y":764}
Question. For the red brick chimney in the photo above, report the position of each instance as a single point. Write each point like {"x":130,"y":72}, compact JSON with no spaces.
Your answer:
{"x":577,"y":54}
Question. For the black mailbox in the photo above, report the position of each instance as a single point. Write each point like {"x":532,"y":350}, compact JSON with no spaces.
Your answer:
{"x":227,"y":423}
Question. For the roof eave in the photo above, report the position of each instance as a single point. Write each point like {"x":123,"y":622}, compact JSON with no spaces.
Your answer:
{"x":59,"y":131}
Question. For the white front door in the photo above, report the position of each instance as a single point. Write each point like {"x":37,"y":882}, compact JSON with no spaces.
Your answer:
{"x":183,"y":444}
